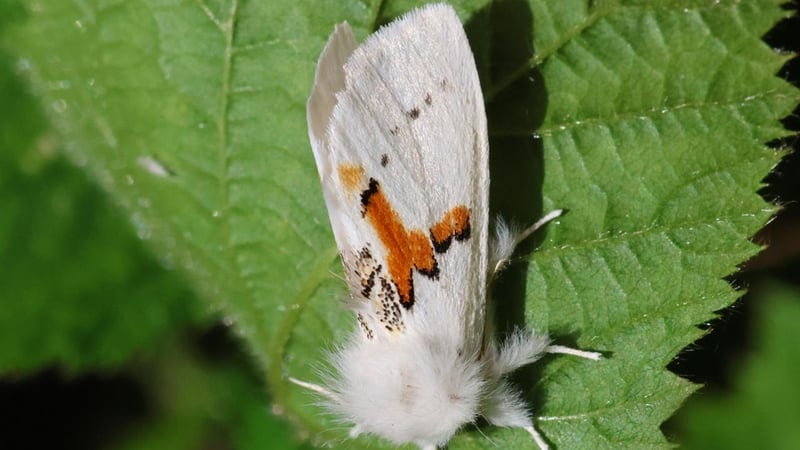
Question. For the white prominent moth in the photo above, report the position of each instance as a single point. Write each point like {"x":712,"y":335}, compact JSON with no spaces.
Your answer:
{"x":398,"y":130}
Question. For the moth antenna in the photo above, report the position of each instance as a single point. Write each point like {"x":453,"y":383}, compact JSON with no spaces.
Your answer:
{"x":315,"y":388}
{"x":506,"y":240}
{"x":596,"y":356}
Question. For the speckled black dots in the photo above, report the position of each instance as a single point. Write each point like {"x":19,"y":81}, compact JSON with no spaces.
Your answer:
{"x":378,"y":289}
{"x":367,"y":330}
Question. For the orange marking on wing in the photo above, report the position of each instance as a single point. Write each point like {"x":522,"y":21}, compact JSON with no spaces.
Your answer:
{"x":409,"y":250}
{"x":454,"y":224}
{"x":351,"y":176}
{"x":405,"y":250}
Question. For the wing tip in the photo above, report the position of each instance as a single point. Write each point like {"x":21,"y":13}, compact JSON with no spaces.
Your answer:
{"x":329,"y":79}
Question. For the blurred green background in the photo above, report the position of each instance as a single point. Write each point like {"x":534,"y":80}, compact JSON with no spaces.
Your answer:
{"x":101,"y":344}
{"x":104,"y":346}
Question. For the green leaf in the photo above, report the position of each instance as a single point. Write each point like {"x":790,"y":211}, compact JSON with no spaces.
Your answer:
{"x":647,"y":120}
{"x":653,"y":137}
{"x":78,"y":288}
{"x":762,"y":410}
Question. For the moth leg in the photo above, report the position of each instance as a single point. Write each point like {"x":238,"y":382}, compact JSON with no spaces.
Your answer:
{"x":520,"y":349}
{"x":574,"y":352}
{"x":505,"y":408}
{"x":507,"y":239}
{"x":525,"y":347}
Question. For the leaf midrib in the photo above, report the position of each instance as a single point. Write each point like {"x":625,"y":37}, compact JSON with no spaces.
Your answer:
{"x":227,"y":28}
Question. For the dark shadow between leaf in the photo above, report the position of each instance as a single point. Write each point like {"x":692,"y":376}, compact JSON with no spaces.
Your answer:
{"x":515,"y":111}
{"x":516,"y":159}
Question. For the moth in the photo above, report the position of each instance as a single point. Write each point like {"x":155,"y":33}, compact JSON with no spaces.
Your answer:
{"x":398,"y":131}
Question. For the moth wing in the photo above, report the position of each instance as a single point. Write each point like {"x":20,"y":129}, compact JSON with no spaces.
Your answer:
{"x":329,"y":79}
{"x":398,"y":130}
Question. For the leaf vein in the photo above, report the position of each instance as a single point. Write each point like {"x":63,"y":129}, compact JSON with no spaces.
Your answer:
{"x":556,"y":128}
{"x":211,"y":16}
{"x":558,"y":251}
{"x":591,"y":19}
{"x":539,"y":57}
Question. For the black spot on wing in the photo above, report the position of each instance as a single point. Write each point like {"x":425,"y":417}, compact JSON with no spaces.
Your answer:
{"x":368,"y":283}
{"x":366,"y":270}
{"x":367,"y":330}
{"x":380,"y":292}
{"x":367,"y":193}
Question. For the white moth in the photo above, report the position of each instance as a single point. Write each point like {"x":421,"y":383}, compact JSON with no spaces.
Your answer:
{"x":398,"y":130}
